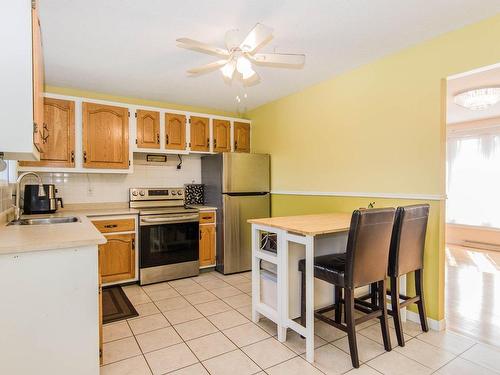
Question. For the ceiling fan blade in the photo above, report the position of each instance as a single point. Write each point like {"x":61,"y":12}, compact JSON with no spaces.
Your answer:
{"x":232,"y":39}
{"x":207,"y":67}
{"x":256,"y":38}
{"x":284,"y":60}
{"x":201,"y":47}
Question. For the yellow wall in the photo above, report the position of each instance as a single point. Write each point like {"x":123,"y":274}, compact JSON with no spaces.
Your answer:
{"x":135,"y":101}
{"x":378,"y":129}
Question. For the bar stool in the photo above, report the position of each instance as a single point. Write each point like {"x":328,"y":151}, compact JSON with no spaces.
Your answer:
{"x":364,"y":263}
{"x":407,"y":255}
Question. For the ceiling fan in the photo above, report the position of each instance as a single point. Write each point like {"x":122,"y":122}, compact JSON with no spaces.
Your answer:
{"x":238,"y":58}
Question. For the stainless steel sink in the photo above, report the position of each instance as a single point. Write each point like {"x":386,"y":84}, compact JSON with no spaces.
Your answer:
{"x":45,"y":220}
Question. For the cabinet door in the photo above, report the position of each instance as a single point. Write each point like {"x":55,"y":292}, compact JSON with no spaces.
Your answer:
{"x":117,"y":257}
{"x":207,"y":245}
{"x":176,"y":131}
{"x":59,"y":137}
{"x":222,"y":136}
{"x":200,"y":137}
{"x":105,"y":136}
{"x":38,"y":78}
{"x":241,"y":137}
{"x":148,"y":129}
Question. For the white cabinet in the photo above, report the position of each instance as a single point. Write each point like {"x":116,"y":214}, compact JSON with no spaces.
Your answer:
{"x":21,"y":74}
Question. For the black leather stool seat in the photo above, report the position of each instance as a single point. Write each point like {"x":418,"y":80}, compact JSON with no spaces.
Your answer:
{"x":330,"y":268}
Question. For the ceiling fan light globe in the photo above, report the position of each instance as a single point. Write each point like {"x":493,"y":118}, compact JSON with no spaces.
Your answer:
{"x":249,"y":73}
{"x":228,"y":70}
{"x":243,"y":65}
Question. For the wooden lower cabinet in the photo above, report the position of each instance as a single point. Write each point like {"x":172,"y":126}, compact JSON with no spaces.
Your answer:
{"x":117,"y":257}
{"x":207,"y":245}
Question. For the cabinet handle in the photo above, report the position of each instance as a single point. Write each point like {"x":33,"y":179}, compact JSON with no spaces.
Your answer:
{"x":167,"y":139}
{"x":111,"y":226}
{"x":133,"y":243}
{"x":208,"y":142}
{"x":235,"y":145}
{"x":84,"y":156}
{"x":200,"y":234}
{"x":158,"y":138}
{"x":206,"y":217}
{"x":215,"y":142}
{"x":45,"y":137}
{"x":72,"y":156}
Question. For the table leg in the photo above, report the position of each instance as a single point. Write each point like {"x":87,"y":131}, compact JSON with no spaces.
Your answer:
{"x":283,"y":292}
{"x":255,"y":274}
{"x":309,"y":298}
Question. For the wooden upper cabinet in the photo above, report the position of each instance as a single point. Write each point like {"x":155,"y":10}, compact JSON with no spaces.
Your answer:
{"x":148,"y":129}
{"x":175,"y":131}
{"x":241,"y":137}
{"x":39,"y":128}
{"x":105,"y":136}
{"x":59,"y":138}
{"x":222,"y":129}
{"x":200,"y":136}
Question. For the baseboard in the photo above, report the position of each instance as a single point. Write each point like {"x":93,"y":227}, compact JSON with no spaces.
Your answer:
{"x":435,"y":325}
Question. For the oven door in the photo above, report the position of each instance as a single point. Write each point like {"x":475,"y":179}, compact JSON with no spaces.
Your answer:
{"x":169,"y":239}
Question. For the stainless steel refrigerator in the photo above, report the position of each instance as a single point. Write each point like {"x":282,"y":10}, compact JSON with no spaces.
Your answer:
{"x":238,"y":185}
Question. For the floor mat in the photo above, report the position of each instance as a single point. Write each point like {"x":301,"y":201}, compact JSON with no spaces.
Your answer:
{"x":115,"y":305}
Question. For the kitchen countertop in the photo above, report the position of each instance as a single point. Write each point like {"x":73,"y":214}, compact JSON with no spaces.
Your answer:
{"x":309,"y":225}
{"x":28,"y":238}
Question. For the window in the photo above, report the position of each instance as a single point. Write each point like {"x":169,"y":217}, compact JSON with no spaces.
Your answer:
{"x":473,"y":177}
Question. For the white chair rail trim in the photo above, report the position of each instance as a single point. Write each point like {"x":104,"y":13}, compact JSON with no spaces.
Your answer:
{"x":426,"y":197}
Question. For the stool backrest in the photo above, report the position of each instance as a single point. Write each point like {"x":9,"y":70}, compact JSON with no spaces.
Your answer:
{"x":368,"y":244}
{"x":408,"y":239}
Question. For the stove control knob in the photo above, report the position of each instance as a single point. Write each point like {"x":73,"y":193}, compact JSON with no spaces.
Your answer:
{"x":174,"y":192}
{"x":134,"y":193}
{"x":142,"y":193}
{"x":179,"y":192}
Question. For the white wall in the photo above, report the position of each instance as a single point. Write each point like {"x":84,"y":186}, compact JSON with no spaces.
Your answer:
{"x":98,"y":188}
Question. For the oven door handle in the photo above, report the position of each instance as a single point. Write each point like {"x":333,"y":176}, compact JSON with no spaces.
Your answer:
{"x":169,"y":220}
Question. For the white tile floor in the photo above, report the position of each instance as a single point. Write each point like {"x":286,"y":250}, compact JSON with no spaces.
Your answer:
{"x":202,"y":326}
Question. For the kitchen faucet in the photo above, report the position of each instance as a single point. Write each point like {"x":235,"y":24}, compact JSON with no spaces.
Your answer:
{"x":41,"y":191}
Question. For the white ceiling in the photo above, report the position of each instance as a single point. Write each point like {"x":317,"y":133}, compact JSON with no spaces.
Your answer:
{"x":127,"y":47}
{"x":455,"y":113}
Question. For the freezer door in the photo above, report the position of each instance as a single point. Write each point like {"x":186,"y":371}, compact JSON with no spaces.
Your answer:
{"x":237,"y":252}
{"x":244,"y":173}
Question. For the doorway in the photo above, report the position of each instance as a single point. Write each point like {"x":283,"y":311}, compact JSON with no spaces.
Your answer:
{"x":472,"y":284}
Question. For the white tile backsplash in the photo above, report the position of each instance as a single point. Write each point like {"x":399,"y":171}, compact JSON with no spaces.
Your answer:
{"x":107,"y":187}
{"x":6,"y":201}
